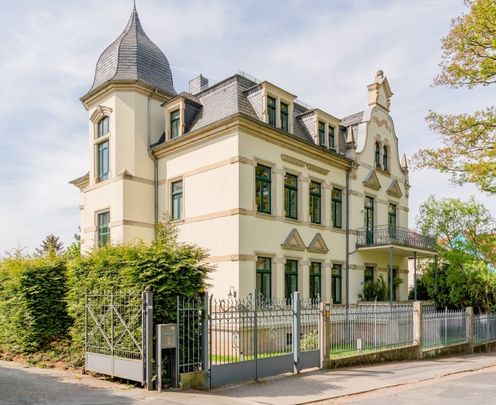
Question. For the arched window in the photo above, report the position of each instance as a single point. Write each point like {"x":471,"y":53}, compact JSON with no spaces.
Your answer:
{"x":103,"y":127}
{"x":377,"y":155}
{"x":385,"y":163}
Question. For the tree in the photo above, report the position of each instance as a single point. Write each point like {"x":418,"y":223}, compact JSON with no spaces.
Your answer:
{"x":463,"y":228}
{"x":466,"y":236}
{"x":51,"y":245}
{"x":468,"y":150}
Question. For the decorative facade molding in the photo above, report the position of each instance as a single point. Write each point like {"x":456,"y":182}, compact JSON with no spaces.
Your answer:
{"x":294,"y":242}
{"x":294,"y":161}
{"x":383,"y":123}
{"x":317,"y":169}
{"x":372,"y":181}
{"x":318,"y":245}
{"x":394,"y":189}
{"x":100,"y":112}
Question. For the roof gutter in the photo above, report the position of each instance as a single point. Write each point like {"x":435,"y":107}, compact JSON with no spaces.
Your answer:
{"x":153,"y":158}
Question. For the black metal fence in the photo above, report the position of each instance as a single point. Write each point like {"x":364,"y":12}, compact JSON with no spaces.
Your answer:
{"x":356,"y":330}
{"x":444,"y":328}
{"x":394,"y":235}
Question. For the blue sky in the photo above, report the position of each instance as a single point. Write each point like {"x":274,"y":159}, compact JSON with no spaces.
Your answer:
{"x":325,"y":52}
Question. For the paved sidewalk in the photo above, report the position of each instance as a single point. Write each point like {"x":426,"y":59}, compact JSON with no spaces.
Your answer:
{"x":39,"y":386}
{"x":321,"y":385}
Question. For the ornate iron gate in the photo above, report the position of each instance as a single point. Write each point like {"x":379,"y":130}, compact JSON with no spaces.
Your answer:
{"x":247,"y":339}
{"x":116,"y":334}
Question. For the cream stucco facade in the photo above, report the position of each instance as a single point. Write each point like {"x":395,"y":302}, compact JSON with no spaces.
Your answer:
{"x":223,"y":132}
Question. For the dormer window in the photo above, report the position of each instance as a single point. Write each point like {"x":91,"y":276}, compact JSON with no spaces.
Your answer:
{"x":385,"y":157}
{"x":322,"y":133}
{"x":332,"y":139}
{"x":377,"y":155}
{"x":174,"y":124}
{"x":271,"y":111}
{"x":103,"y":127}
{"x":284,"y":117}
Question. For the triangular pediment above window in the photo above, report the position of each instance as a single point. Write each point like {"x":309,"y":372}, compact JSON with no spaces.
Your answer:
{"x":294,"y":241}
{"x":318,"y":245}
{"x":372,"y":181}
{"x":394,"y":189}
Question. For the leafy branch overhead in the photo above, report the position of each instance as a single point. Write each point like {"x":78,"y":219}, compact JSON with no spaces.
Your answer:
{"x":468,"y":141}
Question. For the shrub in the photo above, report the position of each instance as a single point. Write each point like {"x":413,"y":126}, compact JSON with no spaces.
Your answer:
{"x":33,"y":310}
{"x":378,"y":290}
{"x":166,"y":266}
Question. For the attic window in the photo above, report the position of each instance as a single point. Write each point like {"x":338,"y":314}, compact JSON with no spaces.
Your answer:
{"x":385,"y":157}
{"x":332,"y":140}
{"x":271,"y":110}
{"x":103,"y":127}
{"x":284,"y":117}
{"x":321,"y":134}
{"x":174,"y":124}
{"x":377,"y":155}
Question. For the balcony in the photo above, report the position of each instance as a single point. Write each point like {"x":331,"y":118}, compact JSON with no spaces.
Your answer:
{"x":387,"y":236}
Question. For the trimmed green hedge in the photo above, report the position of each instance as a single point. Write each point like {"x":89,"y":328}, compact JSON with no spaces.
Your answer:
{"x":33,"y":310}
{"x":166,"y":266}
{"x":42,"y":298}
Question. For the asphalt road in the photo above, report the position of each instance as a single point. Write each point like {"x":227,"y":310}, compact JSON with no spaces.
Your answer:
{"x":478,"y":388}
{"x":469,"y":379}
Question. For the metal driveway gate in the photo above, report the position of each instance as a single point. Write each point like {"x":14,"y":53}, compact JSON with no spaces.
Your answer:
{"x":116,"y":337}
{"x":248,"y":339}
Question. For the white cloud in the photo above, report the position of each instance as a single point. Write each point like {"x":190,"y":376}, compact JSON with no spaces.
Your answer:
{"x":326,"y":52}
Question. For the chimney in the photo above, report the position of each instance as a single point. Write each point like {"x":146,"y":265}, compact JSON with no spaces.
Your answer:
{"x":351,"y":142}
{"x":198,"y":84}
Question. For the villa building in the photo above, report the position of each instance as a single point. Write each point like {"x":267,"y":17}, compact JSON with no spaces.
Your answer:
{"x":284,"y":197}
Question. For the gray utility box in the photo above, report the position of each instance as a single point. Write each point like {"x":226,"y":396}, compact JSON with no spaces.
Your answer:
{"x":167,"y":334}
{"x":167,"y":339}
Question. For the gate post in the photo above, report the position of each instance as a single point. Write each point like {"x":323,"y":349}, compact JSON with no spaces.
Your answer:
{"x":205,"y":339}
{"x":417,"y":327}
{"x":296,"y":332}
{"x":469,"y":328}
{"x":147,"y":297}
{"x":325,"y":333}
{"x":85,"y":329}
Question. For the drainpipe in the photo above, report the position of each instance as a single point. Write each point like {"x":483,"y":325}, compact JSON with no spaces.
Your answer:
{"x":347,"y":269}
{"x":153,"y":158}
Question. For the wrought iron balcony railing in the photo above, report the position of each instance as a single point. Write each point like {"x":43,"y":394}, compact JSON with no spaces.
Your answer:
{"x":394,"y":235}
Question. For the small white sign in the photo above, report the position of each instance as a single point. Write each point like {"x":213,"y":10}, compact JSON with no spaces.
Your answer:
{"x":359,"y":345}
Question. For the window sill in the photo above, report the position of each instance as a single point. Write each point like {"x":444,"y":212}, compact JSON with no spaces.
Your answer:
{"x":177,"y":221}
{"x":265,"y":215}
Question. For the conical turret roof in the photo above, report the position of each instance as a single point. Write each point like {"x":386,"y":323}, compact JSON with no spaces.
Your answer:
{"x":134,"y":57}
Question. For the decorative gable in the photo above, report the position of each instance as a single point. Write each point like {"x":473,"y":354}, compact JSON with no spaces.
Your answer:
{"x":294,"y":241}
{"x":372,"y":181}
{"x":394,"y":189}
{"x":318,"y":245}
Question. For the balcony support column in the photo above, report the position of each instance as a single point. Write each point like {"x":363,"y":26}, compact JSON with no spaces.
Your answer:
{"x":435,"y":273}
{"x":415,"y":276}
{"x":391,"y":275}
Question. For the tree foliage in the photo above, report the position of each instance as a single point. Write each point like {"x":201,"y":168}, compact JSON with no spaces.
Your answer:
{"x":462,"y":228}
{"x":51,"y":245}
{"x":468,"y":150}
{"x":466,"y":236}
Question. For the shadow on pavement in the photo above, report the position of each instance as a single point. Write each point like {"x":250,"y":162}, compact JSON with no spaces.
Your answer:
{"x":19,"y":386}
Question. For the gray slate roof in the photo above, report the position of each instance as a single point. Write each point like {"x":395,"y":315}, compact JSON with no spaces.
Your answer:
{"x":352,"y":119}
{"x":134,"y":57}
